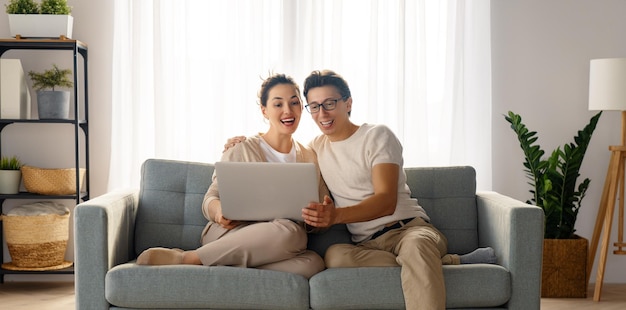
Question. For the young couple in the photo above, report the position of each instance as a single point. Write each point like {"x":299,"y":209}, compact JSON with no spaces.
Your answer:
{"x":363,"y":168}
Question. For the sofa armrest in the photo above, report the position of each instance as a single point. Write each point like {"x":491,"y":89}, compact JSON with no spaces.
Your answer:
{"x":515,"y":230}
{"x":103,"y":238}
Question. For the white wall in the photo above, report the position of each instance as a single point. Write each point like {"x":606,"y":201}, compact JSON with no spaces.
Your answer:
{"x":541,"y":52}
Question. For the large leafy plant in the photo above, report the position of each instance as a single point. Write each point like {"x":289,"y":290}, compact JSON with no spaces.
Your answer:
{"x":553,"y":180}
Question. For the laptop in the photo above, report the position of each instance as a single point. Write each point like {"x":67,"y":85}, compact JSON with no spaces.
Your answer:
{"x":262,"y":191}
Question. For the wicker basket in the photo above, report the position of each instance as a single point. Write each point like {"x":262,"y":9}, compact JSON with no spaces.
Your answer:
{"x":36,"y":241}
{"x":564,"y":269}
{"x":51,"y":181}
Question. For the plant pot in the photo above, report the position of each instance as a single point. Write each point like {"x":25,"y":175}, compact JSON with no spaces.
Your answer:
{"x":41,"y":25}
{"x":53,"y":104}
{"x":564,"y":272}
{"x":10,"y":181}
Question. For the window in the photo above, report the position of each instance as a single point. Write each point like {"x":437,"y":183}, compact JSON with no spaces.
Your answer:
{"x":186,"y":74}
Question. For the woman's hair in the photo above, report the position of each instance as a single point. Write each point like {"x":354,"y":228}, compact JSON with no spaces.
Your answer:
{"x":273,"y":80}
{"x":327,"y":77}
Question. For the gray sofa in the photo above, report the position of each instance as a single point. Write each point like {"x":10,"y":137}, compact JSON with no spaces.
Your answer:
{"x":112,"y":229}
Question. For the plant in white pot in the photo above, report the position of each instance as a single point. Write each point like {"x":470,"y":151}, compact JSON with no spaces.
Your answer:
{"x":50,"y":19}
{"x":52,"y":103}
{"x":10,"y":175}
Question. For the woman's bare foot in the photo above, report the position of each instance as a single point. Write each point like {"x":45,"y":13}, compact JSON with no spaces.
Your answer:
{"x":160,"y":256}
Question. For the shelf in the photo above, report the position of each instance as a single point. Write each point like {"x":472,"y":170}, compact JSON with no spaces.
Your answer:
{"x":27,"y":195}
{"x":43,"y":121}
{"x":68,"y":270}
{"x":43,"y":44}
{"x":78,"y":121}
{"x":46,"y":44}
{"x":6,"y":122}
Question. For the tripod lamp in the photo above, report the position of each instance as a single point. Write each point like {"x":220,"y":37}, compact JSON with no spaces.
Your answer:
{"x":607,"y":91}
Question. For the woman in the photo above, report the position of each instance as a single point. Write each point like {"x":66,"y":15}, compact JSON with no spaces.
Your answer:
{"x":275,"y":245}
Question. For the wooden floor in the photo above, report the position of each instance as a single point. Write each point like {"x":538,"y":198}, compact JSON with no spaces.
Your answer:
{"x":60,"y":296}
{"x":613,"y":297}
{"x":37,"y":295}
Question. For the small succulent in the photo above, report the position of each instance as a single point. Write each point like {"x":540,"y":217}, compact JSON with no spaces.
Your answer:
{"x":10,"y":163}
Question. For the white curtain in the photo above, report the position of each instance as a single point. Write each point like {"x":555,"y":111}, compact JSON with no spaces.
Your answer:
{"x":186,"y":74}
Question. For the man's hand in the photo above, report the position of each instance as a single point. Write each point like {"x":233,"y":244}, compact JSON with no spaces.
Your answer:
{"x":232,"y":142}
{"x":320,"y":214}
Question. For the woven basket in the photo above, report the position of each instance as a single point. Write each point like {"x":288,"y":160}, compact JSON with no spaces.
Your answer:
{"x":564,"y":268}
{"x":51,"y":181}
{"x":37,"y":241}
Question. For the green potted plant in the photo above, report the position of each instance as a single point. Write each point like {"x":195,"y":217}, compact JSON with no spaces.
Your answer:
{"x":52,"y":103}
{"x":55,"y":7}
{"x":22,"y":7}
{"x":10,"y":175}
{"x":49,"y":19}
{"x":555,"y":190}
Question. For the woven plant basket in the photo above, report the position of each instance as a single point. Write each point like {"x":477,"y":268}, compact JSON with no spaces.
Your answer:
{"x":564,"y":269}
{"x":37,"y":241}
{"x":51,"y":181}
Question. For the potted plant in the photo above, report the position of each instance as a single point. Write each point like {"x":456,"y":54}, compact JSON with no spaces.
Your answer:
{"x":10,"y":175}
{"x":50,"y":19}
{"x":555,"y":190}
{"x":52,"y":103}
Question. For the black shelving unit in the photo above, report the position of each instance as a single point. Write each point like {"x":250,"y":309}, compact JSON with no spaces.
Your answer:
{"x":78,"y":50}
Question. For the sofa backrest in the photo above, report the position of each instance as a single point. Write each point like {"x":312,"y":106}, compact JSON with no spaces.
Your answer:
{"x":170,"y":199}
{"x":448,"y":194}
{"x":171,"y":193}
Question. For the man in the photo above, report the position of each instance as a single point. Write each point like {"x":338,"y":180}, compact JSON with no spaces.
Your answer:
{"x":363,"y":168}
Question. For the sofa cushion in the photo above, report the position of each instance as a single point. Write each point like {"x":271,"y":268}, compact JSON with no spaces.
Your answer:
{"x":170,"y":199}
{"x":448,"y":194}
{"x":467,"y":286}
{"x":133,"y":286}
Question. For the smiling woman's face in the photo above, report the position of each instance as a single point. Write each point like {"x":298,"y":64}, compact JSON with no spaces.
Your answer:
{"x":284,"y":108}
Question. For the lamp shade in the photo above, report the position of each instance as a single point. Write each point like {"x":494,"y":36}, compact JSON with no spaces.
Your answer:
{"x":607,"y":84}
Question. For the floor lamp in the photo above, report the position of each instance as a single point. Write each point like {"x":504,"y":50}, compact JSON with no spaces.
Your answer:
{"x":607,"y":91}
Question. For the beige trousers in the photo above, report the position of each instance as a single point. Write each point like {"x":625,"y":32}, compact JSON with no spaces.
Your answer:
{"x":275,"y":245}
{"x":418,"y":247}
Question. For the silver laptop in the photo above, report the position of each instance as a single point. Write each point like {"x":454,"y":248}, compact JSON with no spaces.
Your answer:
{"x":261,"y":191}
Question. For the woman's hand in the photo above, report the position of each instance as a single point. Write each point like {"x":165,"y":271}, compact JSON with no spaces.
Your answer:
{"x":224,"y":222}
{"x":232,"y":142}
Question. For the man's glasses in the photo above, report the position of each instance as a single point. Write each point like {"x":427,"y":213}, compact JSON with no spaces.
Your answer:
{"x":327,"y":105}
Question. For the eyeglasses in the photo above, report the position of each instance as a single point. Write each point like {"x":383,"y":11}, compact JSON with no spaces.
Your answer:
{"x":327,"y":105}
